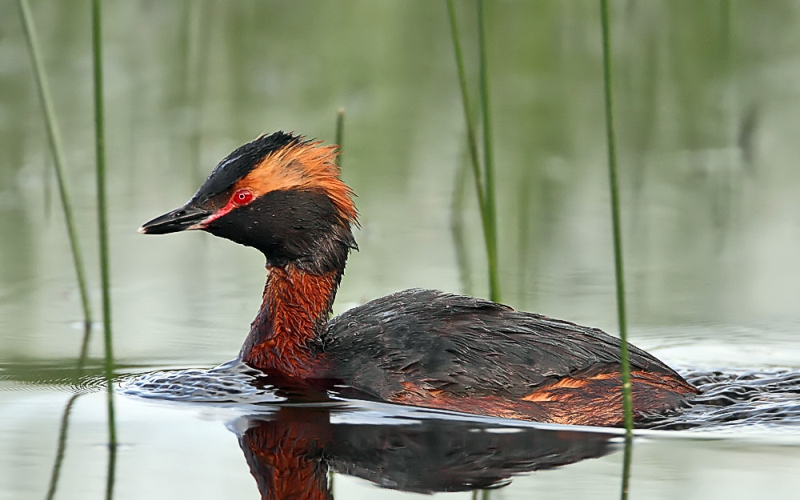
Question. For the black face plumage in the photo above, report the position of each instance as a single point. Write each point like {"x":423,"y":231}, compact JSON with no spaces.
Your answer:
{"x":301,"y":228}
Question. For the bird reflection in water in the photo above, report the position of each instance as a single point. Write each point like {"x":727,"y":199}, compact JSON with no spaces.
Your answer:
{"x":290,"y":452}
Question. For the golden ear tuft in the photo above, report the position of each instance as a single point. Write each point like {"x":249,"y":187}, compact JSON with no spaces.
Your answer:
{"x":303,"y":165}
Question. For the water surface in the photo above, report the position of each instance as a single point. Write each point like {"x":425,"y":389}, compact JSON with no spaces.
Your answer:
{"x":707,"y":109}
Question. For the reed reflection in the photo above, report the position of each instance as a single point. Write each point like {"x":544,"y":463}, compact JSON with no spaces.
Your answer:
{"x":290,"y":452}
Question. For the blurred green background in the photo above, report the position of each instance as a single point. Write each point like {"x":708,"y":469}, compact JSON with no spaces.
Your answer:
{"x":706,"y":103}
{"x":705,"y":107}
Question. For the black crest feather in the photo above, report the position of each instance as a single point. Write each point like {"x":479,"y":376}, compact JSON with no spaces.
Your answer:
{"x":243,"y":160}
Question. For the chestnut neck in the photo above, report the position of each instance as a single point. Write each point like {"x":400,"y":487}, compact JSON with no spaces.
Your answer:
{"x":285,"y":337}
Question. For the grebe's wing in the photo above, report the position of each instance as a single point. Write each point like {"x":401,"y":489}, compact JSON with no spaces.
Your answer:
{"x":467,"y":346}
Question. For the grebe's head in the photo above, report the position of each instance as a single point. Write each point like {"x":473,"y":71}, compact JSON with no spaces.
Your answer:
{"x":280,"y":194}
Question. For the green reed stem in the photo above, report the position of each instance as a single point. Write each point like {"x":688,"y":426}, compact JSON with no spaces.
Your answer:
{"x":102,"y":217}
{"x":102,"y":220}
{"x":627,"y":401}
{"x":472,"y":141}
{"x":626,"y":466}
{"x":488,"y":158}
{"x":54,"y":137}
{"x":339,"y":134}
{"x":483,"y":181}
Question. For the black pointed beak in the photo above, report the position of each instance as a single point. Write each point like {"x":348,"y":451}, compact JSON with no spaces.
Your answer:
{"x":180,"y":219}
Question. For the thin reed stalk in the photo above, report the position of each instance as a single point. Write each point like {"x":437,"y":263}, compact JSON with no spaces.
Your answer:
{"x":102,"y":220}
{"x":488,"y":158}
{"x":626,"y":466}
{"x":627,"y":402}
{"x":102,"y":217}
{"x":339,"y":134}
{"x":482,"y":177}
{"x":472,"y":141}
{"x":54,"y":137}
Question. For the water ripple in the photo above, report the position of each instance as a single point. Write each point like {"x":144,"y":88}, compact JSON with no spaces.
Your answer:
{"x":732,"y":399}
{"x":728,"y":399}
{"x":231,"y":382}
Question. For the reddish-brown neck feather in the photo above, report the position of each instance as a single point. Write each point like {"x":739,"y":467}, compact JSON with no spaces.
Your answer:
{"x":295,"y":309}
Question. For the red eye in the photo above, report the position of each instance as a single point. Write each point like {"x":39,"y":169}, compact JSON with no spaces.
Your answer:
{"x":242,"y":197}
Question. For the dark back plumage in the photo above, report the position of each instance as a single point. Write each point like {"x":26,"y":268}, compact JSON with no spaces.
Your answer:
{"x":466,"y":346}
